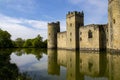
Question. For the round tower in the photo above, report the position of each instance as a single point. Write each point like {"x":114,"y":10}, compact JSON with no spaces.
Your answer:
{"x":114,"y":24}
{"x":53,"y":29}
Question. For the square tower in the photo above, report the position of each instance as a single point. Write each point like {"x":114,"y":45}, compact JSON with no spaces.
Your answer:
{"x":74,"y":21}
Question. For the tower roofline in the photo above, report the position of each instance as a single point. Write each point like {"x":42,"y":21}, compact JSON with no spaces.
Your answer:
{"x":54,"y":23}
{"x":73,"y":13}
{"x":109,"y":1}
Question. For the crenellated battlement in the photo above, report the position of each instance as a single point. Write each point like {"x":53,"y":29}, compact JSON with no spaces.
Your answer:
{"x":70,"y":14}
{"x":89,"y":37}
{"x":109,"y":1}
{"x":54,"y":23}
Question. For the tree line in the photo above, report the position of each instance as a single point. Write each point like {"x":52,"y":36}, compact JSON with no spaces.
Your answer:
{"x":6,"y":42}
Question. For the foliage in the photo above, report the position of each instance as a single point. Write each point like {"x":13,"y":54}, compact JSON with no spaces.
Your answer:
{"x":28,"y":43}
{"x":5,"y":40}
{"x":37,"y":42}
{"x":19,"y":42}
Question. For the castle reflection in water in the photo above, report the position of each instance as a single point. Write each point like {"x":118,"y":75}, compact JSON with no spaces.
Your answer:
{"x":84,"y":65}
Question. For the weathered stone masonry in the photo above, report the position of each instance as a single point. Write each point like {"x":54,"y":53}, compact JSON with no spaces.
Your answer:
{"x":89,"y":37}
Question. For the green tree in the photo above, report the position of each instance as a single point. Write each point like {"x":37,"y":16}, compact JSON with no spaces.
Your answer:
{"x":37,"y":42}
{"x":5,"y":39}
{"x":19,"y":42}
{"x":45,"y":43}
{"x":28,"y":43}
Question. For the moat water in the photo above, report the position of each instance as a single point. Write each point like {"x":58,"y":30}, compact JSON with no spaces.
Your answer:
{"x":39,"y":64}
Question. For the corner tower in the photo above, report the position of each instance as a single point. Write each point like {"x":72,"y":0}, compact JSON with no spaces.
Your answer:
{"x":114,"y":24}
{"x":53,"y":29}
{"x":74,"y":20}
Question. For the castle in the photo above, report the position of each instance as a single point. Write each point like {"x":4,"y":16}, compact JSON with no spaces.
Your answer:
{"x":90,"y":37}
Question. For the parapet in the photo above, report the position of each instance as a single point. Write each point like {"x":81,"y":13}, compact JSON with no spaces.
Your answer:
{"x":75,"y":13}
{"x":109,"y":1}
{"x":54,"y":23}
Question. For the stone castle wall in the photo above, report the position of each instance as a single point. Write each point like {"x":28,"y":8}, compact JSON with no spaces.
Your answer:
{"x":114,"y":24}
{"x":89,"y":37}
{"x":93,"y":37}
{"x":53,"y":29}
{"x":61,"y":40}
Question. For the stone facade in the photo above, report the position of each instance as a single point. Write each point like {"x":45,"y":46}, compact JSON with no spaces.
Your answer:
{"x":53,"y":29}
{"x":61,"y":40}
{"x":90,"y":37}
{"x":114,"y":24}
{"x":73,"y":20}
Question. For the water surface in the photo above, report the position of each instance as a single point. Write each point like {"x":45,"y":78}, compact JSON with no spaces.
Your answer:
{"x":39,"y":64}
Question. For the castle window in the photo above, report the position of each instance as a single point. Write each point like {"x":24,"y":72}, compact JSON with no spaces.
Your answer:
{"x":114,"y":21}
{"x":70,"y":34}
{"x":49,"y":34}
{"x":80,"y":33}
{"x":90,"y":34}
{"x":70,"y":24}
{"x":80,"y":39}
{"x":70,"y":39}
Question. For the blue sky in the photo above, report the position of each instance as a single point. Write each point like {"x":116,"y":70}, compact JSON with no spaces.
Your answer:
{"x":28,"y":18}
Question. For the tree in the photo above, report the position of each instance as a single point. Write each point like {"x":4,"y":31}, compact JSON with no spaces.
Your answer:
{"x":37,"y":42}
{"x":19,"y":42}
{"x":28,"y":43}
{"x":5,"y":41}
{"x":45,"y":43}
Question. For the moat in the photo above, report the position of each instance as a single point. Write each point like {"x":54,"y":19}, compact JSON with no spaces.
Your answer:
{"x":39,"y":64}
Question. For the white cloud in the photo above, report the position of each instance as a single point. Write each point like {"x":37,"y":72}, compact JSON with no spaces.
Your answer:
{"x":37,"y":24}
{"x":23,"y":28}
{"x":95,"y":10}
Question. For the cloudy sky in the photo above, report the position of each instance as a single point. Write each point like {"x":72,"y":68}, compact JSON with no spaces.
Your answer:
{"x":28,"y":18}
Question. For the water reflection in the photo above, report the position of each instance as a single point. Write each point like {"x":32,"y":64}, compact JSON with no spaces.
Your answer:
{"x":37,"y":64}
{"x":31,"y":62}
{"x":93,"y":64}
{"x":81,"y":65}
{"x":9,"y":71}
{"x":114,"y":66}
{"x":53,"y":67}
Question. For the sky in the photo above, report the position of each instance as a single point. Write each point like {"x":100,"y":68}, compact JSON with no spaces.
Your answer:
{"x":27,"y":18}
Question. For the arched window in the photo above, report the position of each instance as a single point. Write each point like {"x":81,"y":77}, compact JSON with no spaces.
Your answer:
{"x":70,"y":24}
{"x":49,"y":34}
{"x":80,"y":39}
{"x":70,"y":39}
{"x":70,"y":33}
{"x":114,"y":21}
{"x":90,"y":34}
